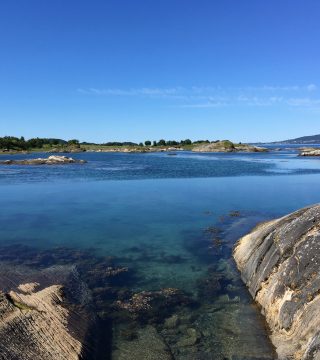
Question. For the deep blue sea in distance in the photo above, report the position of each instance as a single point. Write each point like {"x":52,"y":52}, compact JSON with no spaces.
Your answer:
{"x":150,"y":212}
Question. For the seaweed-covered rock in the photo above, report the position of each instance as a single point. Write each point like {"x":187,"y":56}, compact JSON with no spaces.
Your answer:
{"x":172,"y":322}
{"x":280,"y":263}
{"x":155,"y":305}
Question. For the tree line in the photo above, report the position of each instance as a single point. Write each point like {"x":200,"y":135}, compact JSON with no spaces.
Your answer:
{"x":16,"y":143}
{"x":163,"y":142}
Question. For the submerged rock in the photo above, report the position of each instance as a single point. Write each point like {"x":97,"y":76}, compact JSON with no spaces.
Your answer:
{"x":280,"y":263}
{"x":149,"y":345}
{"x":51,"y":160}
{"x":171,"y":322}
{"x":190,"y":339}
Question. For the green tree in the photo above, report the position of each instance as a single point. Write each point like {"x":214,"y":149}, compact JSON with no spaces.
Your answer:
{"x":186,"y":142}
{"x":147,"y":143}
{"x":172,"y":143}
{"x":73,"y":142}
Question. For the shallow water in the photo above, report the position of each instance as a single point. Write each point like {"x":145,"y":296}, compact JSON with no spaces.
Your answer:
{"x":172,"y":220}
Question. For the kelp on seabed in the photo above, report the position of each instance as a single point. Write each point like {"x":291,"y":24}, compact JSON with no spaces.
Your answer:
{"x":216,"y":321}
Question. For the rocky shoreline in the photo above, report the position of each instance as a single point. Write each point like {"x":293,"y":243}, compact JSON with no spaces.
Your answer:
{"x":279,"y":263}
{"x":51,"y":160}
{"x":227,"y":146}
{"x":214,"y":146}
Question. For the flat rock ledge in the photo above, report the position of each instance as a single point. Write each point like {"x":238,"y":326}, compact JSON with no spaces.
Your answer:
{"x":280,"y":263}
{"x":51,"y":160}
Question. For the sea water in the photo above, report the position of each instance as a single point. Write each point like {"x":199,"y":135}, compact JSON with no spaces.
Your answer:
{"x":173,"y":221}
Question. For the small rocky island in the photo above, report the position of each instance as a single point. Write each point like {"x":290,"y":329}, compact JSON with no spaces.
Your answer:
{"x":310,"y":152}
{"x":51,"y":160}
{"x":226,"y":146}
{"x":280,"y":263}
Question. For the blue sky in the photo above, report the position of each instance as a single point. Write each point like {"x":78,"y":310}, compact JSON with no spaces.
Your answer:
{"x":105,"y":70}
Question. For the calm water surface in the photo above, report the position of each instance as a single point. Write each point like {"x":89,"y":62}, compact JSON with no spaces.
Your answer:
{"x":173,"y":220}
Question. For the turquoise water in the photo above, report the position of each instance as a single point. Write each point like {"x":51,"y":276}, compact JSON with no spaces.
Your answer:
{"x":173,"y":221}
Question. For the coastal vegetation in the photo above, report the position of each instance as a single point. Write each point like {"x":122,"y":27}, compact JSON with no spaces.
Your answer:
{"x":20,"y":144}
{"x":12,"y":144}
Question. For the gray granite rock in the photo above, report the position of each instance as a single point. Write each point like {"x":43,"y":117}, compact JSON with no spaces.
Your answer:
{"x":280,"y":263}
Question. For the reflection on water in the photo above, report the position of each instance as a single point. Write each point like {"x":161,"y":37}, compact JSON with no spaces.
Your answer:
{"x":156,"y":253}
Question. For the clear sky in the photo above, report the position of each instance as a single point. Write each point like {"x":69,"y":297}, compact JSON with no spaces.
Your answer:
{"x":102,"y":70}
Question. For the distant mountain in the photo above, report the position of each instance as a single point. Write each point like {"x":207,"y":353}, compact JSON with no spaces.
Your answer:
{"x":313,"y":139}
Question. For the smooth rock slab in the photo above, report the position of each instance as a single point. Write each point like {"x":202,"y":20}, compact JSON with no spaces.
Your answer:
{"x":280,"y":263}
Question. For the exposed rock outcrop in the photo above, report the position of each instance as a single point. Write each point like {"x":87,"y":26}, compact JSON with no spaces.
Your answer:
{"x":33,"y":325}
{"x":41,"y":319}
{"x":280,"y":263}
{"x":310,"y":152}
{"x":51,"y":160}
{"x":227,"y":146}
